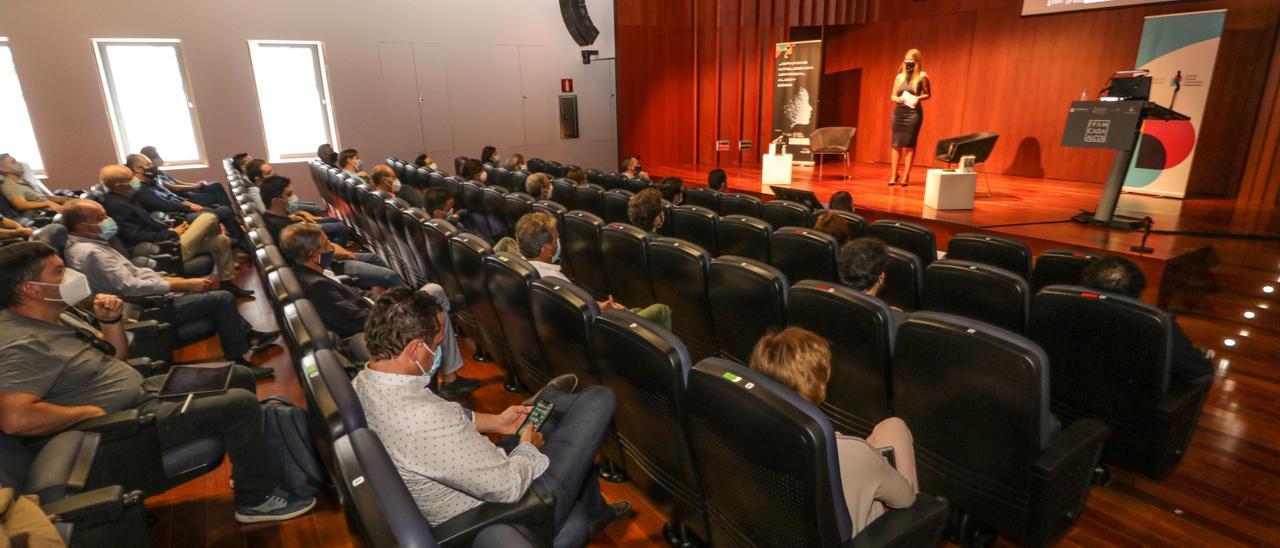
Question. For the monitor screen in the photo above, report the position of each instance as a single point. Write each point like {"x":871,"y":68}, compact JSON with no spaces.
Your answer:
{"x":1040,"y":7}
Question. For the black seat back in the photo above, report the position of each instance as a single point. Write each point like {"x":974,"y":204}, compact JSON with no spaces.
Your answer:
{"x":767,"y":459}
{"x":501,"y":177}
{"x":563,"y":315}
{"x":495,"y":208}
{"x":611,"y":181}
{"x":917,"y":239}
{"x":903,"y":280}
{"x":860,"y":329}
{"x":702,"y":196}
{"x":740,"y":204}
{"x":744,"y":236}
{"x":804,"y":254}
{"x":564,"y":192}
{"x":517,"y":180}
{"x":473,"y":201}
{"x":695,"y":224}
{"x":780,"y":213}
{"x":590,"y":198}
{"x":1005,"y":253}
{"x":1060,"y":267}
{"x":387,"y":511}
{"x":439,"y":232}
{"x":338,"y":384}
{"x":516,"y":205}
{"x":678,"y":271}
{"x":508,"y":276}
{"x":418,"y":259}
{"x":468,"y":252}
{"x":977,"y":291}
{"x":857,"y":223}
{"x":615,"y":205}
{"x":623,"y":248}
{"x":748,"y":298}
{"x":580,"y":250}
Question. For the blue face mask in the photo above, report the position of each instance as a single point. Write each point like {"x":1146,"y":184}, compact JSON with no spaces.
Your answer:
{"x":107,"y":228}
{"x":359,"y":165}
{"x":293,"y":204}
{"x":435,"y":363}
{"x":326,"y":259}
{"x":555,"y":259}
{"x":135,"y":184}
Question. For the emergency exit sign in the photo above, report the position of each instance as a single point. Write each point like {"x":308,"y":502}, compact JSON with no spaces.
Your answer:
{"x":566,"y":85}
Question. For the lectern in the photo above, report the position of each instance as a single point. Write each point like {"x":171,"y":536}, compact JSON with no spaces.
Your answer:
{"x":1116,"y":125}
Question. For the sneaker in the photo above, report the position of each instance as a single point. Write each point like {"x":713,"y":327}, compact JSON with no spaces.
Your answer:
{"x":261,"y":340}
{"x":460,"y":386}
{"x":236,"y":291}
{"x":259,"y":372}
{"x":278,"y":507}
{"x":566,"y":383}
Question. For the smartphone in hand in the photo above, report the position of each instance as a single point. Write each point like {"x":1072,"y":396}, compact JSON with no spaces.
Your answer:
{"x":541,"y":411}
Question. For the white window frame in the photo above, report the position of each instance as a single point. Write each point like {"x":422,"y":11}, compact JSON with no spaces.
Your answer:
{"x":322,"y":85}
{"x":123,"y":147}
{"x":43,"y":172}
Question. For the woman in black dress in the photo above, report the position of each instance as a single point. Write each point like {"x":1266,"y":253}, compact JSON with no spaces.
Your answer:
{"x":910,"y":87}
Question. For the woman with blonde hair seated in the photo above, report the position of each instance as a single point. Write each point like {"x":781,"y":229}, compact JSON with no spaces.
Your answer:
{"x":801,"y":360}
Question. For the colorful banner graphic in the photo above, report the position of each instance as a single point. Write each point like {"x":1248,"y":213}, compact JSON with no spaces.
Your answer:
{"x":797,"y":69}
{"x":1180,"y":51}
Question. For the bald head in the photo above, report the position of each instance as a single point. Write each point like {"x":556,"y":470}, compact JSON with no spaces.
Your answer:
{"x":116,"y":178}
{"x":81,"y":217}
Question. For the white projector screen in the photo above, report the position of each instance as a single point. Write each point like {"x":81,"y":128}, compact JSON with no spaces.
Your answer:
{"x":1040,"y":7}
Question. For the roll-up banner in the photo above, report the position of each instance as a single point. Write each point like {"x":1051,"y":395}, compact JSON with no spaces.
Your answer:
{"x":1179,"y":50}
{"x":797,"y":69}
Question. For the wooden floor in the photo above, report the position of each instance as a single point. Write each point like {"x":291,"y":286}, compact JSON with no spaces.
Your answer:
{"x":1226,"y":492}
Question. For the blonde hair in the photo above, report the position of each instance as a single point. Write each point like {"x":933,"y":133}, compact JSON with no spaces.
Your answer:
{"x":797,"y":358}
{"x":914,"y":54}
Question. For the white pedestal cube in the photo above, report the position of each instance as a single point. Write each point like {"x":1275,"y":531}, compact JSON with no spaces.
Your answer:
{"x":775,"y":169}
{"x":949,"y":189}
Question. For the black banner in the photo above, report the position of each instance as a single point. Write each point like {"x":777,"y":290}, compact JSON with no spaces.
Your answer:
{"x":797,"y":69}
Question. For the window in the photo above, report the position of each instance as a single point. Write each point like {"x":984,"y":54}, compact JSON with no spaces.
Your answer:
{"x":18,"y":137}
{"x":293,"y":95}
{"x":149,"y":99}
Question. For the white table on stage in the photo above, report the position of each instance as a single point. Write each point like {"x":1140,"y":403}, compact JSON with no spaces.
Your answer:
{"x":945,"y":189}
{"x":775,"y":169}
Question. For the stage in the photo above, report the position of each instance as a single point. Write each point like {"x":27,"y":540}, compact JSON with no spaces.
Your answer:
{"x":1035,"y":211}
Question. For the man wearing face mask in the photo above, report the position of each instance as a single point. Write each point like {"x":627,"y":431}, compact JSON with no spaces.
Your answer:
{"x":384,"y":179}
{"x":136,"y":226}
{"x":153,"y":196}
{"x":440,"y":449}
{"x":344,"y":310}
{"x":439,"y":205}
{"x":368,"y":269}
{"x":198,"y":310}
{"x":205,"y":193}
{"x":51,"y":378}
{"x":350,"y":162}
{"x":326,"y":155}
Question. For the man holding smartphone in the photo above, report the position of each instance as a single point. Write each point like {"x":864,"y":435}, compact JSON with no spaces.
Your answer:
{"x":440,"y":448}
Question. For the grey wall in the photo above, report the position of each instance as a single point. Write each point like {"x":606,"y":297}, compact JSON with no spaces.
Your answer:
{"x":51,"y":41}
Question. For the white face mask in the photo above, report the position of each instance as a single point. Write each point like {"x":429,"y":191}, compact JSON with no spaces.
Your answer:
{"x":73,"y":289}
{"x":395,"y":185}
{"x":433,"y":166}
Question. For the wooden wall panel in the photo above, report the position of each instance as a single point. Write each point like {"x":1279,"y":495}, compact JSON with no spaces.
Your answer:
{"x":656,"y":73}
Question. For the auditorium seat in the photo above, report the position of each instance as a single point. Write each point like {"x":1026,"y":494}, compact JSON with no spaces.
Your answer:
{"x":495,"y":210}
{"x":565,"y":193}
{"x":516,"y":205}
{"x":589,"y":198}
{"x":740,"y":204}
{"x":977,"y":291}
{"x":508,"y":277}
{"x":468,"y":252}
{"x":623,"y":248}
{"x":556,"y":169}
{"x":771,"y":476}
{"x":499,"y":176}
{"x":917,"y":239}
{"x":615,"y":205}
{"x":563,"y":315}
{"x":580,"y":251}
{"x":269,"y":259}
{"x":903,"y":280}
{"x":695,"y":224}
{"x":517,"y":180}
{"x":748,"y":298}
{"x":635,"y":184}
{"x":804,"y":254}
{"x":782,"y":213}
{"x":596,"y":176}
{"x":678,"y":271}
{"x":646,"y":366}
{"x":1060,"y":266}
{"x":984,"y":436}
{"x":304,"y":331}
{"x":554,"y":208}
{"x":1005,"y":253}
{"x":439,"y":232}
{"x":611,"y":181}
{"x":473,"y":202}
{"x":1111,"y":360}
{"x":702,"y":196}
{"x":743,"y":236}
{"x":418,"y":259}
{"x":857,"y":223}
{"x":457,"y":164}
{"x":860,"y":329}
{"x":283,"y":288}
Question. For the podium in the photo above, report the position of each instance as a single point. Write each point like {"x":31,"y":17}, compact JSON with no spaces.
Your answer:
{"x":1115,"y":125}
{"x":775,"y":169}
{"x":945,"y":189}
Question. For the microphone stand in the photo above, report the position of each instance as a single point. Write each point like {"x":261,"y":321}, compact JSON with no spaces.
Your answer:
{"x":1147,"y":222}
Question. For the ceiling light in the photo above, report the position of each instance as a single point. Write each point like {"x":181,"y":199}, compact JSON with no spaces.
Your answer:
{"x":1229,"y":342}
{"x":1249,"y":314}
{"x":1268,"y":289}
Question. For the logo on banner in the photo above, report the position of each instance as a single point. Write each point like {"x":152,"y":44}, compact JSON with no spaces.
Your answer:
{"x":1096,"y":131}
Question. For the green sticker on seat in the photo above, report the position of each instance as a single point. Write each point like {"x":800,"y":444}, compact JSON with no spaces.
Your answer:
{"x":731,"y":376}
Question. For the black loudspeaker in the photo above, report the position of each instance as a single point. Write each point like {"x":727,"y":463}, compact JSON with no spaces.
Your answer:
{"x":578,"y":21}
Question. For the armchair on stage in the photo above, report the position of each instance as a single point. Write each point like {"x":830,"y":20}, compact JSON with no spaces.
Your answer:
{"x":979,"y":145}
{"x":832,"y":141}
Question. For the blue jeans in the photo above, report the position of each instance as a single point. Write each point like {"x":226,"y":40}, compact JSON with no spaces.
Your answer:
{"x":199,"y":315}
{"x":336,"y":231}
{"x":572,"y":435}
{"x":369,"y":271}
{"x":211,"y":195}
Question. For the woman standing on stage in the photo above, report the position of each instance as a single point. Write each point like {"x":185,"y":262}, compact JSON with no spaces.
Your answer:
{"x":910,"y":87}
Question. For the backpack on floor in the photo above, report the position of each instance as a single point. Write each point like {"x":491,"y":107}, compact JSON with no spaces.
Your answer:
{"x":293,"y":453}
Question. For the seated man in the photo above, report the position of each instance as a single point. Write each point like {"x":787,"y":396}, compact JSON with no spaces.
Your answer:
{"x":538,"y":185}
{"x":326,"y":155}
{"x":384,"y":178}
{"x":259,"y":170}
{"x":539,"y":242}
{"x":350,"y":162}
{"x":153,"y":196}
{"x":205,"y":193}
{"x":203,"y":235}
{"x":862,"y":265}
{"x":645,"y":211}
{"x":51,"y":378}
{"x":22,"y":195}
{"x":240,"y":160}
{"x":198,"y":310}
{"x":473,"y":170}
{"x":630,"y":168}
{"x":368,"y":269}
{"x":1188,"y":364}
{"x":718,"y":180}
{"x":344,"y":310}
{"x":440,"y":448}
{"x":672,"y":189}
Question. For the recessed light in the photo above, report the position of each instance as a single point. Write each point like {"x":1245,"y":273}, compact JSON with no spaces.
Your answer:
{"x":1264,"y":306}
{"x":1268,"y":289}
{"x":1229,"y":342}
{"x":1249,"y":314}
{"x":1244,"y":332}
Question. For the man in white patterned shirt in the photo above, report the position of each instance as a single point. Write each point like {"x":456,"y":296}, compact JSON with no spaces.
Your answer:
{"x":440,"y":448}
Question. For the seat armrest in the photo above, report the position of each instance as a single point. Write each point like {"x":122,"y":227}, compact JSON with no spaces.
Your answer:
{"x":147,"y":366}
{"x":1174,"y":421}
{"x":1061,"y":478}
{"x":118,"y":425}
{"x":96,"y":507}
{"x":533,"y":510}
{"x":918,"y":525}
